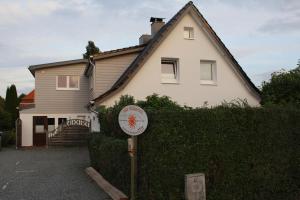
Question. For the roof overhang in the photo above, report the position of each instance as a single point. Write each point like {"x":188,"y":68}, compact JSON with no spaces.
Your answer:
{"x":33,"y":68}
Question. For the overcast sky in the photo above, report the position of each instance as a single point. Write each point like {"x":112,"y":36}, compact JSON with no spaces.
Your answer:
{"x":263,"y":35}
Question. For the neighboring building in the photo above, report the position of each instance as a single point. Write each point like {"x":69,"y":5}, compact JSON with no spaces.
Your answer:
{"x":183,"y":59}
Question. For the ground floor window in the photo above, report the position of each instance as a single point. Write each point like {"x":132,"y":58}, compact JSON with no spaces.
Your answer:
{"x":62,"y":120}
{"x":51,"y":124}
{"x":39,"y":125}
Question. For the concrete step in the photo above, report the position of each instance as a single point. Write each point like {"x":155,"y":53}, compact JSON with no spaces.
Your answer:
{"x":70,"y":136}
{"x":68,"y":143}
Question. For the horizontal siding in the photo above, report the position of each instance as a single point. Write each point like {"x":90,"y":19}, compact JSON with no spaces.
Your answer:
{"x":50,"y":100}
{"x":109,"y":70}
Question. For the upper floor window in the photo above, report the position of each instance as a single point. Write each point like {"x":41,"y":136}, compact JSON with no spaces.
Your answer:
{"x":169,"y":70}
{"x":188,"y":33}
{"x":208,"y":72}
{"x":67,"y":82}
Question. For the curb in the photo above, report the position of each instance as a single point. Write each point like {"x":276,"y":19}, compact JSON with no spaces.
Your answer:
{"x":113,"y":192}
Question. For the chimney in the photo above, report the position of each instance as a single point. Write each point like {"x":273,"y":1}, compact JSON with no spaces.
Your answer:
{"x":156,"y":25}
{"x":144,"y":39}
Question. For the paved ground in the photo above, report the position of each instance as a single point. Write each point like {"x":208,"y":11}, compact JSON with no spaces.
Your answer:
{"x":42,"y":174}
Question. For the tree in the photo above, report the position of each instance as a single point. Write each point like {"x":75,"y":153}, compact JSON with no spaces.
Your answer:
{"x":7,"y":99}
{"x":91,"y":49}
{"x":21,"y":97}
{"x":5,"y":120}
{"x":283,"y":88}
{"x":2,"y":102}
{"x":11,"y":103}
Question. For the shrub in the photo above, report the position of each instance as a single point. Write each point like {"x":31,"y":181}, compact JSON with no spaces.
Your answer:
{"x":245,"y":153}
{"x":5,"y":120}
{"x":109,"y":156}
{"x":108,"y":117}
{"x":8,"y":138}
{"x":282,"y":89}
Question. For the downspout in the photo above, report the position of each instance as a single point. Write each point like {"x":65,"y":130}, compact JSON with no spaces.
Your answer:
{"x":92,"y":103}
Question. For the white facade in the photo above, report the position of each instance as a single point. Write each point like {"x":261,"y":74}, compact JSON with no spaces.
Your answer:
{"x":189,"y":90}
{"x":27,"y":123}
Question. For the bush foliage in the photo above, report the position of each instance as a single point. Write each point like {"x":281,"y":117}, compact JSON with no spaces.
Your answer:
{"x":282,"y":89}
{"x":246,"y":153}
{"x":109,"y":156}
{"x":8,"y":138}
{"x":108,"y":117}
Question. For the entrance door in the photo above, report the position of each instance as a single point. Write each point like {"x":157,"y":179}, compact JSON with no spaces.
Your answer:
{"x":40,"y":126}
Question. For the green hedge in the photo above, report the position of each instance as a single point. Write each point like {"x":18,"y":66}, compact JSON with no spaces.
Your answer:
{"x":245,"y":153}
{"x":8,"y":138}
{"x":109,"y":156}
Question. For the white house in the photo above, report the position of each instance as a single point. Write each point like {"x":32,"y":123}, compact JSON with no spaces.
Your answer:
{"x":183,"y":59}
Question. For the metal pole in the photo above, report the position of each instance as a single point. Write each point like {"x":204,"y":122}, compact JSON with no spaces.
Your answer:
{"x":133,"y":167}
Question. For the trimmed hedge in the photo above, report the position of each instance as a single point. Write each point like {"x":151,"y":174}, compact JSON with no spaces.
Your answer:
{"x":109,"y":156}
{"x":245,"y":153}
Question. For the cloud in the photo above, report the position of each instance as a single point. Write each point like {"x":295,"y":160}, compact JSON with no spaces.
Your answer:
{"x":283,"y":24}
{"x":16,"y":11}
{"x":258,"y":79}
{"x":286,"y":19}
{"x":19,"y":76}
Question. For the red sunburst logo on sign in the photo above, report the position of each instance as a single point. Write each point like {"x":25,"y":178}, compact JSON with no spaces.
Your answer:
{"x":131,"y":121}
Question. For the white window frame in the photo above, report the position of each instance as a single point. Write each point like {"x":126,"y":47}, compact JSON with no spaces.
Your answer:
{"x":191,"y":33}
{"x":166,"y":80}
{"x":68,"y":83}
{"x":213,"y":70}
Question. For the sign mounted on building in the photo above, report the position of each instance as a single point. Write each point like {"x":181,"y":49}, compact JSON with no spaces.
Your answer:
{"x":133,"y":120}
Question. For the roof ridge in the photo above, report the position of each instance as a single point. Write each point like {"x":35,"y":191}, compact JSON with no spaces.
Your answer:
{"x":120,"y":49}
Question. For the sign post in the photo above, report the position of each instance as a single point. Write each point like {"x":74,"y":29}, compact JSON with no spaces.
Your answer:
{"x":133,"y":121}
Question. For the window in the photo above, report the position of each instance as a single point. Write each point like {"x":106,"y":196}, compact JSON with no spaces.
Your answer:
{"x":51,"y":124}
{"x":73,"y":81}
{"x":188,"y":33}
{"x":62,"y":121}
{"x":67,"y":82}
{"x":208,"y":72}
{"x":169,"y":70}
{"x":62,"y":81}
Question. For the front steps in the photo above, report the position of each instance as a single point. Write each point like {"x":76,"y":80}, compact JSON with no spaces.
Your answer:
{"x":70,"y":136}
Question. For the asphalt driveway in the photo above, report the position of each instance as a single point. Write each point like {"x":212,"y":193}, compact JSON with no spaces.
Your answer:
{"x":42,"y":174}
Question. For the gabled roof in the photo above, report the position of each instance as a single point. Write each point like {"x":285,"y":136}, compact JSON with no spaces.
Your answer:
{"x":157,"y":40}
{"x":32,"y":68}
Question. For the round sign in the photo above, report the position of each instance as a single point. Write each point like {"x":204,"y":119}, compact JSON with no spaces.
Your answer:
{"x":133,"y":120}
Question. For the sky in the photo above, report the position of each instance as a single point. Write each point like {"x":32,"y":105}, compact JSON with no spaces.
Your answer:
{"x":263,"y":35}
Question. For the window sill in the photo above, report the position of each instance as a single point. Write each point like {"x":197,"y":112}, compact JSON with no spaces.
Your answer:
{"x":169,"y":82}
{"x":70,"y":89}
{"x":212,"y":83}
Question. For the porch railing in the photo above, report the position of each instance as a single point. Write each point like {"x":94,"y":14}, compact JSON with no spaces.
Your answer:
{"x":68,"y":123}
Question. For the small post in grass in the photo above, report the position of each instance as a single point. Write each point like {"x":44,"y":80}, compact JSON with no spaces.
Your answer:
{"x":133,"y":121}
